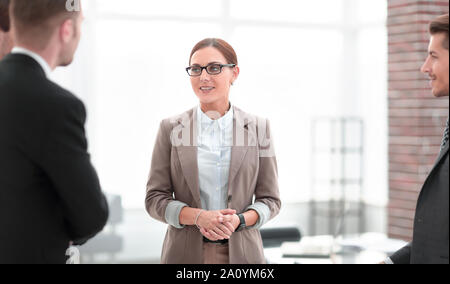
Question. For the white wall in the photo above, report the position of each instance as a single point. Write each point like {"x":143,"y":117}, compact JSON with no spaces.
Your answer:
{"x":299,"y":60}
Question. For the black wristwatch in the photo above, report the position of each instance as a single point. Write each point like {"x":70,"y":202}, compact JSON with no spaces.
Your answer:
{"x":242,"y":224}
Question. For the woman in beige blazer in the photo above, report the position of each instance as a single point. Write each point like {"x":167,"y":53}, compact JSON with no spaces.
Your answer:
{"x":213,"y":175}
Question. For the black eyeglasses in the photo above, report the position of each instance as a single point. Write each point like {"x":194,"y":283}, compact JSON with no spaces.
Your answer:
{"x":211,"y":69}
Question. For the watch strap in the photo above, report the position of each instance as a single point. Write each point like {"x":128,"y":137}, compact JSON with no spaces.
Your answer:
{"x":242,"y":222}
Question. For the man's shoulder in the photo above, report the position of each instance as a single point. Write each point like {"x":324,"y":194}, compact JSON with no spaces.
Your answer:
{"x":24,"y":77}
{"x":47,"y":99}
{"x":60,"y":95}
{"x":54,"y":99}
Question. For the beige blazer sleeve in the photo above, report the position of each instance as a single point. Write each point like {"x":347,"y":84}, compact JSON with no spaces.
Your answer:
{"x":159,"y":185}
{"x":267,"y":190}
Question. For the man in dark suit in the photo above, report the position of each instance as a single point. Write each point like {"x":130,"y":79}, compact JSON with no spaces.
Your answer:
{"x":49,"y":192}
{"x":430,"y":242}
{"x":5,"y":37}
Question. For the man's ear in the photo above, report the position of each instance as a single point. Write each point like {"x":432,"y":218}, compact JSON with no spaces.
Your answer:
{"x":66,"y":30}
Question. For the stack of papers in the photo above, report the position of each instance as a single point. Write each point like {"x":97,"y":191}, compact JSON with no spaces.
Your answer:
{"x":309,"y":247}
{"x":372,"y":242}
{"x":327,"y":246}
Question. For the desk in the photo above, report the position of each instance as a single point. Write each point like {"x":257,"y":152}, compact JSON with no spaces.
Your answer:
{"x":368,"y":248}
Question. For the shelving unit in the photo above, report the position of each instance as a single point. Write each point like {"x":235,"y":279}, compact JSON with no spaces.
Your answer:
{"x":337,"y":174}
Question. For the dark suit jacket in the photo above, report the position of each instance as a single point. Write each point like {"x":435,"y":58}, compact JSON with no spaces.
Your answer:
{"x":49,"y":191}
{"x":430,"y":237}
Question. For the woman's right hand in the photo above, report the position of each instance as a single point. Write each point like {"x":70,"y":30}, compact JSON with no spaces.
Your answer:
{"x":216,"y":222}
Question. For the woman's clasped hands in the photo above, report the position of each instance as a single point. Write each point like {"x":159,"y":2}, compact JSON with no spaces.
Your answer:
{"x":217,"y":225}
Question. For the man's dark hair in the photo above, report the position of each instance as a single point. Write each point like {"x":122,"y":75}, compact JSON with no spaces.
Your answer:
{"x":38,"y":18}
{"x":440,"y":25}
{"x":4,"y":15}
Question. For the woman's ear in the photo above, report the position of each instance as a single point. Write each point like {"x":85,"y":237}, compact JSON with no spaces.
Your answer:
{"x":236,"y":72}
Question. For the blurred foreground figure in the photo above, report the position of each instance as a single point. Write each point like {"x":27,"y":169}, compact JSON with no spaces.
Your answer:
{"x":49,"y":192}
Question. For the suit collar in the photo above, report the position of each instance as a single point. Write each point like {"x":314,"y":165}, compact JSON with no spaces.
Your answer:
{"x":204,"y":122}
{"x":25,"y":60}
{"x":41,"y":61}
{"x":242,"y":118}
{"x":442,"y":154}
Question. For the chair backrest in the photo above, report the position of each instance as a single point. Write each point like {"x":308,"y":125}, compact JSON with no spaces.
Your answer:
{"x":275,"y":237}
{"x":115,"y":209}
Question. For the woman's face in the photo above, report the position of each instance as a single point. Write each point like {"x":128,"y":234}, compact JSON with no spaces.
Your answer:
{"x":212,"y":89}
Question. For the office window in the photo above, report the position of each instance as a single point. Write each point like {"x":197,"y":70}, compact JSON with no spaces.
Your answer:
{"x":299,"y":60}
{"x":178,"y":8}
{"x":310,"y":12}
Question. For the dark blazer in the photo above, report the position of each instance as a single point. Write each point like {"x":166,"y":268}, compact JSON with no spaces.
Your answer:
{"x":430,"y":236}
{"x":49,"y":191}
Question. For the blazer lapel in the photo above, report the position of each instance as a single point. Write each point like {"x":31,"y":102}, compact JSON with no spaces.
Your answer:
{"x":187,"y":155}
{"x":240,"y":146}
{"x":442,"y":154}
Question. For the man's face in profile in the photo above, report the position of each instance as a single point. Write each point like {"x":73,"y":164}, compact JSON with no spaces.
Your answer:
{"x":436,"y":65}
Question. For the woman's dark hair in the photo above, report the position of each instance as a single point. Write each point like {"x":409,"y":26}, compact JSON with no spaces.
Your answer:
{"x":224,"y":47}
